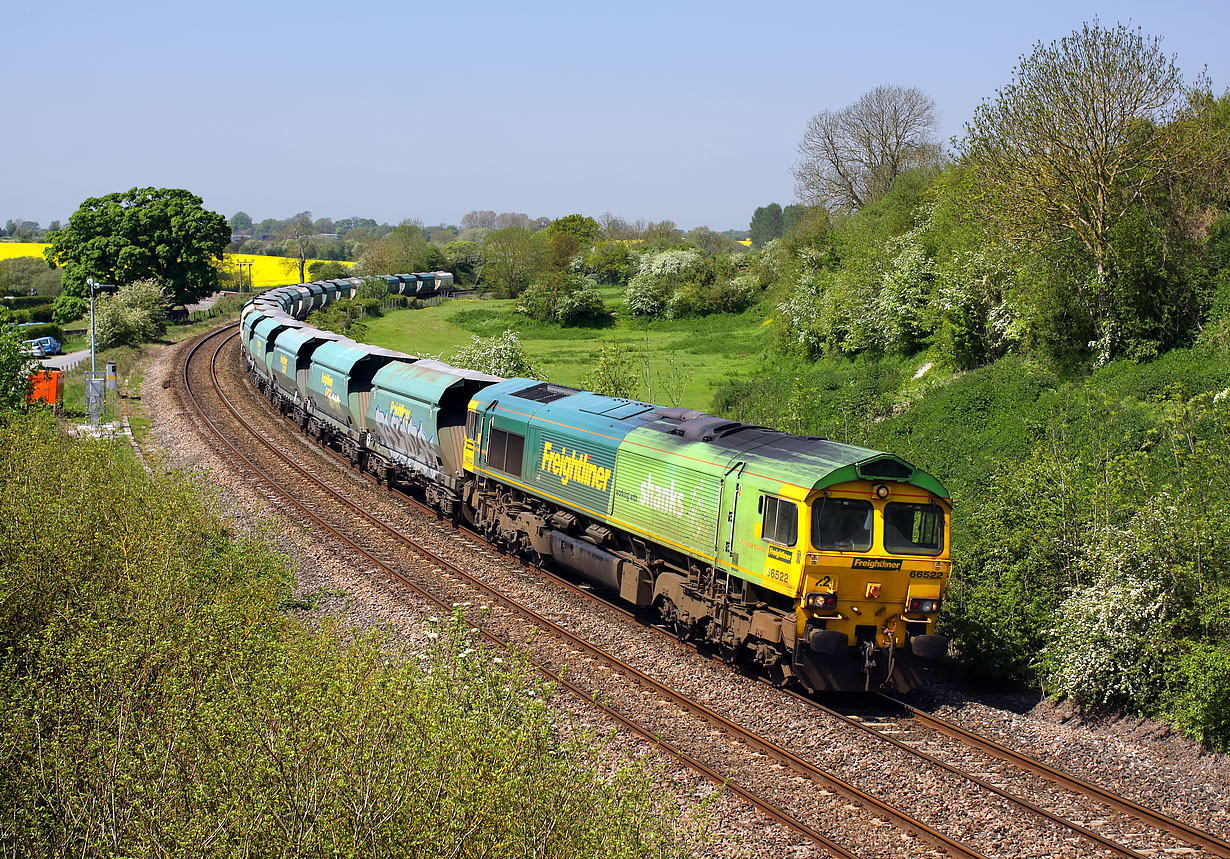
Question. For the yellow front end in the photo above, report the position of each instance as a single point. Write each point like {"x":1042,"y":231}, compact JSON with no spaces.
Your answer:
{"x":876,"y":565}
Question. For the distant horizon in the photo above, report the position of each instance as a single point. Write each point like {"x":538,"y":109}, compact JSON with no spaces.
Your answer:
{"x":689,"y":112}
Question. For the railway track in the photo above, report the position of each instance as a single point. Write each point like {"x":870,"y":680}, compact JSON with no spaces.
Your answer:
{"x":384,"y":547}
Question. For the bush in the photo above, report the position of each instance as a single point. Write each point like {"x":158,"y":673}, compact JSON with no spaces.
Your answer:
{"x":502,"y":355}
{"x":647,"y":296}
{"x":135,"y":315}
{"x":1200,"y":706}
{"x":47,"y":329}
{"x":566,"y":300}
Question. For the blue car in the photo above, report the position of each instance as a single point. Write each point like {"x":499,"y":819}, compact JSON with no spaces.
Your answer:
{"x":51,"y":346}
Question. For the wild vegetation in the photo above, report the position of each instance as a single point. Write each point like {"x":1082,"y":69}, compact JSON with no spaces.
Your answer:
{"x":160,"y":693}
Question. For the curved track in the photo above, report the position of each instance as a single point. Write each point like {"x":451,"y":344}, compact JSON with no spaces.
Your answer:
{"x":370,"y":529}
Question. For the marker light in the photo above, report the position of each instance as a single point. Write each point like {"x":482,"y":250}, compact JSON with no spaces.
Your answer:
{"x":820,"y":600}
{"x":926,"y":606}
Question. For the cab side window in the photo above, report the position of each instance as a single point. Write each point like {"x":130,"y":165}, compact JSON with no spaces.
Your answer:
{"x":505,"y":451}
{"x":781,"y":521}
{"x":472,"y":424}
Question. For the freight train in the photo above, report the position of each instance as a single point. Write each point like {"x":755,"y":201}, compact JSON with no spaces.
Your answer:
{"x":822,"y":563}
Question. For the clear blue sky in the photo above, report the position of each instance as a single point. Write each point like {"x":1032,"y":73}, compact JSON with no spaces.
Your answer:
{"x":390,"y":110}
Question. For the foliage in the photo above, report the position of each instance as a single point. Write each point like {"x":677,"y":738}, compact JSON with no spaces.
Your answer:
{"x":501,"y":355}
{"x":564,"y":299}
{"x":461,"y":258}
{"x":405,"y":249}
{"x":1085,"y":133}
{"x":614,"y":374}
{"x":767,"y":224}
{"x":29,"y":276}
{"x":511,"y":259}
{"x":328,"y":270}
{"x":161,"y":234}
{"x":345,"y":316}
{"x":14,"y":368}
{"x":154,"y":700}
{"x":585,"y":229}
{"x":609,"y":263}
{"x":851,"y":157}
{"x":134,"y":315}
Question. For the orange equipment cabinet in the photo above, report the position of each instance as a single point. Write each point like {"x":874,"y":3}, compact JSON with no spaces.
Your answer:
{"x":47,"y":386}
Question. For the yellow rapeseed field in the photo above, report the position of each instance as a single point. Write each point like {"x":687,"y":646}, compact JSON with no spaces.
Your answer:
{"x":11,"y":250}
{"x":265,"y":271}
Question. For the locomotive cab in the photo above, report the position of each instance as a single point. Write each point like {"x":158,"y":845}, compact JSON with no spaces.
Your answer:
{"x":871,"y":581}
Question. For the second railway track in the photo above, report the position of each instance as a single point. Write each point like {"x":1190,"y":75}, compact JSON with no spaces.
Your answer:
{"x":779,"y":760}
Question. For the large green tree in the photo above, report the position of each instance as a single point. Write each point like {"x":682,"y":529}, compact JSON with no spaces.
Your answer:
{"x":766,"y":224}
{"x":511,"y":259}
{"x":1080,"y":138}
{"x":164,"y":234}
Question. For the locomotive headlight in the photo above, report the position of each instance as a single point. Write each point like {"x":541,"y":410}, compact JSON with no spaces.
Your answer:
{"x":881,"y":491}
{"x":820,"y":600}
{"x":926,"y":606}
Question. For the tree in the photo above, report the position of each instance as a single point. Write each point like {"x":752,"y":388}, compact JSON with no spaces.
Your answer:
{"x":14,"y":369}
{"x":614,"y":373}
{"x":159,"y":233}
{"x":767,"y":224}
{"x":299,"y":234}
{"x":711,"y":242}
{"x":850,"y":157}
{"x":403,"y":250}
{"x":511,"y":259}
{"x":792,"y":216}
{"x":482,"y":218}
{"x":512,"y":219}
{"x":240,"y":221}
{"x":586,"y":229}
{"x":1082,"y":134}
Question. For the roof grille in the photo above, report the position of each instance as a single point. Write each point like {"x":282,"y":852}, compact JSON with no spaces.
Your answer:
{"x":545,"y":392}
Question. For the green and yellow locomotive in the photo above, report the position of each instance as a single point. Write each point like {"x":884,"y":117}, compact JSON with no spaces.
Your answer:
{"x":823,"y":562}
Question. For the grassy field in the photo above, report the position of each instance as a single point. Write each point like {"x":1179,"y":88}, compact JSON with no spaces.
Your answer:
{"x":692,"y":356}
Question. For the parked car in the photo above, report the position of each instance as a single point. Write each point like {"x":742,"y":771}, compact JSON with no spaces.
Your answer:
{"x":32,"y":349}
{"x":51,"y":346}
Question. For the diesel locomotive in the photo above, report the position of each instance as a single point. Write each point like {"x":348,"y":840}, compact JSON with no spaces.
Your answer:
{"x":823,"y":563}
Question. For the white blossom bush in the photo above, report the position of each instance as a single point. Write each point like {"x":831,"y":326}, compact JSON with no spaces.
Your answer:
{"x":668,"y":263}
{"x":134,"y":315}
{"x":905,"y":290}
{"x":802,"y":317}
{"x":657,"y":277}
{"x":647,"y":296}
{"x":1107,"y":644}
{"x":502,"y":355}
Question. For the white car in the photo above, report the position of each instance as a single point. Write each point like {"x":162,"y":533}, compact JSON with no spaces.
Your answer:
{"x":33,"y":349}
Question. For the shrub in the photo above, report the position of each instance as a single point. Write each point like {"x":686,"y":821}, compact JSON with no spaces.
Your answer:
{"x":614,"y":373}
{"x":566,"y":299}
{"x":134,"y":315}
{"x":502,"y":355}
{"x":1200,"y":706}
{"x":647,"y":296}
